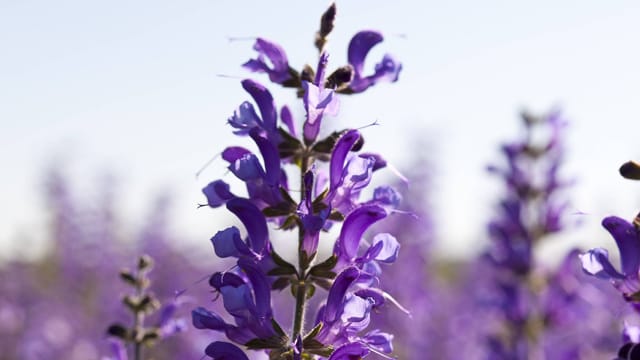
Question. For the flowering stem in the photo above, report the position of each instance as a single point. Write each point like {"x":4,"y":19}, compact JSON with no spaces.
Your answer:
{"x":301,"y":289}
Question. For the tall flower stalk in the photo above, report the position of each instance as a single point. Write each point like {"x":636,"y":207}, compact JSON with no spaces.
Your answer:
{"x":530,"y":211}
{"x":332,"y":171}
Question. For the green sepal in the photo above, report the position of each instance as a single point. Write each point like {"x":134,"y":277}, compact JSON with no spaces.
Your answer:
{"x":127,"y":276}
{"x":120,"y":331}
{"x":289,"y":223}
{"x":336,"y":216}
{"x":273,"y":342}
{"x":282,"y":262}
{"x":278,"y":328}
{"x":324,"y":268}
{"x":289,"y":146}
{"x":313,"y":333}
{"x":280,"y":283}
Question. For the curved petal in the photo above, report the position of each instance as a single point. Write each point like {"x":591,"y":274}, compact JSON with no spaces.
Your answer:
{"x":349,"y":352}
{"x":626,"y":237}
{"x":596,"y":262}
{"x":244,"y":118}
{"x":233,"y":153}
{"x":279,"y":72}
{"x":271,"y":157}
{"x":337,"y":292}
{"x":387,"y":248}
{"x":253,"y":220}
{"x":217,"y":193}
{"x":339,"y":154}
{"x":265,"y":102}
{"x":359,"y":47}
{"x":205,"y":319}
{"x":247,"y":168}
{"x":356,"y":223}
{"x":221,"y":350}
{"x":227,"y":243}
{"x":380,"y":341}
{"x":261,"y":288}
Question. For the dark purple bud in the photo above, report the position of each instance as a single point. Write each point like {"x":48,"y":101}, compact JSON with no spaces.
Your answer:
{"x":350,"y":351}
{"x":220,"y":350}
{"x":221,"y":279}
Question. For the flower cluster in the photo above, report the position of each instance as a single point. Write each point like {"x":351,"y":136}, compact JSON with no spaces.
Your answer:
{"x":596,"y":262}
{"x":530,"y":211}
{"x":333,"y":172}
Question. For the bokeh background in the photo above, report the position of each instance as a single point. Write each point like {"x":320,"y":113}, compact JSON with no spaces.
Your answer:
{"x":130,"y":99}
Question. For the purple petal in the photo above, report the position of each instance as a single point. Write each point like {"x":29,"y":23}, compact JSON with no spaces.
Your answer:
{"x":221,"y":279}
{"x":279,"y":72}
{"x":380,"y":341}
{"x":317,"y":101}
{"x":350,"y":351}
{"x":265,"y":102}
{"x":337,"y":293}
{"x":596,"y":262}
{"x":626,"y":237}
{"x":205,"y":319}
{"x":386,"y":195}
{"x":217,"y":193}
{"x":387,"y":248}
{"x":233,"y":153}
{"x":253,"y":220}
{"x":387,"y":70}
{"x":339,"y":154}
{"x":356,"y":309}
{"x":271,"y":157}
{"x":247,"y":168}
{"x":220,"y":350}
{"x":244,"y":119}
{"x":228,"y":242}
{"x":287,"y":119}
{"x":261,"y":287}
{"x":356,"y":223}
{"x":359,"y":47}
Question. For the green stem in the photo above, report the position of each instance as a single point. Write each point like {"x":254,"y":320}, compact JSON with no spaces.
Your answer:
{"x":301,"y":289}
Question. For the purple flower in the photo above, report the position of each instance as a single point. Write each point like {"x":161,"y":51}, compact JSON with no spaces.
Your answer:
{"x":387,"y":70}
{"x":596,"y":261}
{"x":278,"y":70}
{"x":318,"y":100}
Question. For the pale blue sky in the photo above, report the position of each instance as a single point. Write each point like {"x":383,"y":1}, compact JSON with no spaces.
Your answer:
{"x":132,"y":87}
